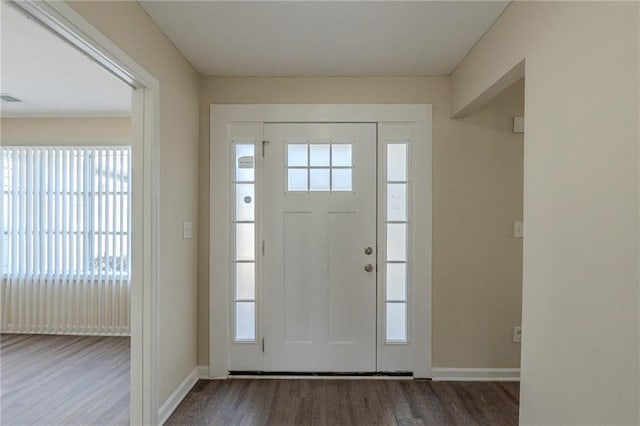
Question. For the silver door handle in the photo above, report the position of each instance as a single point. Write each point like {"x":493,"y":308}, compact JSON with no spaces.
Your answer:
{"x":368,"y":267}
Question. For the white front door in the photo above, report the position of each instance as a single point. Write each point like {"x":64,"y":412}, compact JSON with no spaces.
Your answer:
{"x":319,"y":221}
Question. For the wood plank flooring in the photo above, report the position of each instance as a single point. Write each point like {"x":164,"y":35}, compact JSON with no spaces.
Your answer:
{"x":64,"y":380}
{"x":348,"y":402}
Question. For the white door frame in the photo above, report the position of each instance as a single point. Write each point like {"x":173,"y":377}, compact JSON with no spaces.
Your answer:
{"x":67,"y":24}
{"x":220,"y":213}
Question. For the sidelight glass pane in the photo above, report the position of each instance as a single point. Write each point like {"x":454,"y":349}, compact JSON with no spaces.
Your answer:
{"x":397,"y":281}
{"x":397,"y":162}
{"x":397,"y":241}
{"x":245,"y":281}
{"x":245,"y":321}
{"x":341,"y":155}
{"x":341,"y":180}
{"x":244,"y":162}
{"x":245,"y":201}
{"x":245,"y":241}
{"x":297,"y":180}
{"x":396,"y":322}
{"x":297,"y":155}
{"x":319,"y":180}
{"x":319,"y":155}
{"x":397,"y":202}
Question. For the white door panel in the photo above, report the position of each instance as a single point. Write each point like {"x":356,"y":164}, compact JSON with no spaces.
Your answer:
{"x":319,"y":301}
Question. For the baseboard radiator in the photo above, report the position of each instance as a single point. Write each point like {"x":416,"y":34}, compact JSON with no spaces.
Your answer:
{"x":65,"y":307}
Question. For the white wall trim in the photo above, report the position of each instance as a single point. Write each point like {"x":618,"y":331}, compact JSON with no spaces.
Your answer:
{"x":179,"y":394}
{"x":441,"y":374}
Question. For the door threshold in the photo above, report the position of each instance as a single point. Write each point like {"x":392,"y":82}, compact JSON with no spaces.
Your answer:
{"x":355,"y":375}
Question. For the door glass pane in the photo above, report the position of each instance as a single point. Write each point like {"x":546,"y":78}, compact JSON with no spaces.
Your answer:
{"x":244,"y":162}
{"x":297,"y":155}
{"x":396,"y":322}
{"x":397,"y":241}
{"x":245,"y":201}
{"x":341,"y":155}
{"x":319,"y":155}
{"x":397,"y":201}
{"x":245,"y":281}
{"x":341,"y":180}
{"x":245,"y":241}
{"x":397,"y":162}
{"x":396,"y":281}
{"x":297,"y":180}
{"x":319,"y":180}
{"x":245,"y":321}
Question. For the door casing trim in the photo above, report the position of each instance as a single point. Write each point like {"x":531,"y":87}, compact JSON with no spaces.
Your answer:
{"x":64,"y":22}
{"x":220,"y":222}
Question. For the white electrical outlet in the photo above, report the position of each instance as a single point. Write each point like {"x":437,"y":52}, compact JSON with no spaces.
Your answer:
{"x":518,"y":230}
{"x":186,"y":230}
{"x":517,"y":334}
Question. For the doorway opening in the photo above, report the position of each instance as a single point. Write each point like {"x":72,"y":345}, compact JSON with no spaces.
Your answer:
{"x":326,"y":241}
{"x":108,"y":253}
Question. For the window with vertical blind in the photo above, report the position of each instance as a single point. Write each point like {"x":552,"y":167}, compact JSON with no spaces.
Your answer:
{"x":66,"y":212}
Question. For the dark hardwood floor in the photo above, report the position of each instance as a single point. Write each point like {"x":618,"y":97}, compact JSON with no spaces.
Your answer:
{"x":348,"y":402}
{"x":72,"y":380}
{"x":64,"y":380}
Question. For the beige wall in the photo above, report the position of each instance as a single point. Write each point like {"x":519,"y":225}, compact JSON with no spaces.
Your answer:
{"x":477,"y":166}
{"x":128,"y":26}
{"x":477,"y":264}
{"x":580,"y":353}
{"x":84,"y":131}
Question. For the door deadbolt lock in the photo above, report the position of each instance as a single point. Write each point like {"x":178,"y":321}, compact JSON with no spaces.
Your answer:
{"x":368,"y":250}
{"x":368,"y":267}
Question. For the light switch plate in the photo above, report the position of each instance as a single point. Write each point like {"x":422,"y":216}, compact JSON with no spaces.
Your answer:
{"x":517,"y":334}
{"x":518,"y":229}
{"x":187,"y":230}
{"x":518,"y":124}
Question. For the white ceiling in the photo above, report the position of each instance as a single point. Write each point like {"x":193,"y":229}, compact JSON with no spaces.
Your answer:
{"x":316,"y":38}
{"x":51,"y":77}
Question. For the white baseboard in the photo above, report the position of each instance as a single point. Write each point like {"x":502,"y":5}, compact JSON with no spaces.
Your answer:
{"x":199,"y":372}
{"x":476,"y":374}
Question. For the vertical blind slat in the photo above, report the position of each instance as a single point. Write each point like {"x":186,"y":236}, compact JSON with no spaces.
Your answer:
{"x":32,"y":232}
{"x":121,"y":317}
{"x":21,"y":247}
{"x":78,"y":235}
{"x":58,"y":244}
{"x":87,"y":247}
{"x":3,"y":229}
{"x":64,"y":282}
{"x":113,"y":256}
{"x":100,"y":232}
